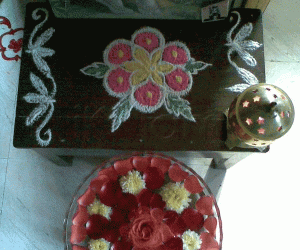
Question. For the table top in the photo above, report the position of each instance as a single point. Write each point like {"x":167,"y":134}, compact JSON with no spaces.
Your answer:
{"x":67,"y":101}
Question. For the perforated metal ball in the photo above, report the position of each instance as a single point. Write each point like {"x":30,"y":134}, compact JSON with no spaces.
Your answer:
{"x":261,"y":114}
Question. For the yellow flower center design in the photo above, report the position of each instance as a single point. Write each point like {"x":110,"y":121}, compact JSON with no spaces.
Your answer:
{"x":179,"y":79}
{"x":120,"y":54}
{"x":148,"y":41}
{"x":120,"y":79}
{"x":143,"y":67}
{"x":174,"y":53}
{"x":149,"y":94}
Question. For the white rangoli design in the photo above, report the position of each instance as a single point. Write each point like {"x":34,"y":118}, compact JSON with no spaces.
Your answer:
{"x":241,"y":46}
{"x":43,"y":97}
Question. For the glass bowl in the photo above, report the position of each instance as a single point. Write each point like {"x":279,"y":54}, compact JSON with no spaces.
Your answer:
{"x":210,"y":232}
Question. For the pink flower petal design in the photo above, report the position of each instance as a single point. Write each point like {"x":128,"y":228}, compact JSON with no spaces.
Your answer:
{"x":119,"y":53}
{"x":118,"y":80}
{"x":177,"y":174}
{"x":205,"y":205}
{"x":124,"y":166}
{"x":192,"y":185}
{"x":178,"y":80}
{"x":148,"y":40}
{"x":148,"y":95}
{"x":162,"y":164}
{"x":175,"y":54}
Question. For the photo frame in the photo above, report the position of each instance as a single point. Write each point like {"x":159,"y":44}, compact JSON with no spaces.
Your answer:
{"x":215,"y":12}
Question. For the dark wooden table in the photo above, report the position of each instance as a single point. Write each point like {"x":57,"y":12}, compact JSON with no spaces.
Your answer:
{"x":80,"y":124}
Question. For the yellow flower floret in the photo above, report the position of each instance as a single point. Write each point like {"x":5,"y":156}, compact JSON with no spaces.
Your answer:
{"x":132,"y":183}
{"x":143,"y":66}
{"x":191,"y":240}
{"x":175,"y":196}
{"x":100,"y":244}
{"x":98,"y":208}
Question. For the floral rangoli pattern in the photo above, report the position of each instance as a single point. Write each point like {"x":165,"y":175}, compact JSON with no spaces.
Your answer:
{"x":11,"y":41}
{"x":147,"y":73}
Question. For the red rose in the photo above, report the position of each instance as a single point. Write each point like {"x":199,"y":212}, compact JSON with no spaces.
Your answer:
{"x":147,"y":229}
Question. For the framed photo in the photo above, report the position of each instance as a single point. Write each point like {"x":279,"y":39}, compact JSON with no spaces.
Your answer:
{"x":215,"y":12}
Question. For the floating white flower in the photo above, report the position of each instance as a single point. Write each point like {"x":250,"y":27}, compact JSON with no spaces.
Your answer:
{"x":176,"y":196}
{"x":98,"y":208}
{"x":191,"y":240}
{"x":100,"y":244}
{"x":132,"y":183}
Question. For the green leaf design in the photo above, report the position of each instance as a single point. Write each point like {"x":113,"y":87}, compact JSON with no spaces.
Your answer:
{"x":194,"y":66}
{"x":121,"y":112}
{"x":97,"y":70}
{"x":178,"y":106}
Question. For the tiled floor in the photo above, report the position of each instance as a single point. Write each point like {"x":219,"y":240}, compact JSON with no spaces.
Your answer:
{"x":260,"y":195}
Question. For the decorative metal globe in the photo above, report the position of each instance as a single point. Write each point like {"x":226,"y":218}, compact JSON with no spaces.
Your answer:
{"x":260,"y":115}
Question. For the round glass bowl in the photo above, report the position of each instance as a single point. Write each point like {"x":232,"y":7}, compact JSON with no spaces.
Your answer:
{"x":150,"y":186}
